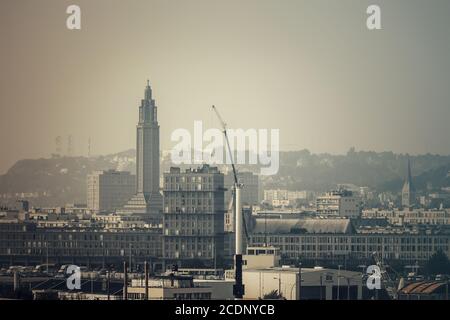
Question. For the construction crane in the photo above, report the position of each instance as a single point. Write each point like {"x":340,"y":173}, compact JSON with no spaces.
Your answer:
{"x":236,"y":181}
{"x":387,"y":281}
{"x":238,"y":288}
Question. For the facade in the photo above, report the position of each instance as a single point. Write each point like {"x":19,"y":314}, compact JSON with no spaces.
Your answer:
{"x":169,"y":287}
{"x":25,"y":243}
{"x":109,"y":190}
{"x":340,"y":203}
{"x":281,"y":197}
{"x":408,"y":190}
{"x":410,"y":216}
{"x":333,"y":241}
{"x":316,"y":283}
{"x":337,"y":241}
{"x":263,"y":275}
{"x":261,"y":257}
{"x":193,"y":219}
{"x":148,"y":200}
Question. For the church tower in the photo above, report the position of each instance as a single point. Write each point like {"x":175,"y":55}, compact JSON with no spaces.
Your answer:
{"x":148,"y":200}
{"x":147,"y":146}
{"x":408,"y":190}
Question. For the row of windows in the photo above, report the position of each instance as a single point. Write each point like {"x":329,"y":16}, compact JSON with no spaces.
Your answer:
{"x":74,"y":236}
{"x":376,"y":240}
{"x":78,"y":252}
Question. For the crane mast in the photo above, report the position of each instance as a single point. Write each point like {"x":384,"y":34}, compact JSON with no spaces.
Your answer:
{"x":385,"y":277}
{"x":238,"y":288}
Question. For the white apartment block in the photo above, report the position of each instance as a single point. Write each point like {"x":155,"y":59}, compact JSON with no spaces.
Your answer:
{"x":281,"y":197}
{"x":341,"y":203}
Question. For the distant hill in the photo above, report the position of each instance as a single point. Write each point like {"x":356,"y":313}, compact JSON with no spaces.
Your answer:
{"x":58,"y":180}
{"x":61,"y":180}
{"x":383,"y":171}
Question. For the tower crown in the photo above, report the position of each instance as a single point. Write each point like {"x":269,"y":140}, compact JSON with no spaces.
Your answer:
{"x":147,"y":109}
{"x":148,"y":91}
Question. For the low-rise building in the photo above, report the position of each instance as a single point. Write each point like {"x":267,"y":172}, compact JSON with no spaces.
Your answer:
{"x":425,"y":290}
{"x":263,"y":276}
{"x":169,"y":287}
{"x":342,"y":203}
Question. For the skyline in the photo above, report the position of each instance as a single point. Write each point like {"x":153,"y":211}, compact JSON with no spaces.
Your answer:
{"x":338,"y":84}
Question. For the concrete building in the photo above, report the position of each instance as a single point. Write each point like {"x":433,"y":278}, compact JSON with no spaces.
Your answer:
{"x":337,"y":241}
{"x":147,"y":202}
{"x":115,"y":221}
{"x":340,"y":203}
{"x":169,"y":287}
{"x":84,"y":246}
{"x":111,"y":239}
{"x":410,"y":216}
{"x":281,"y":197}
{"x":220,"y":289}
{"x":109,"y":190}
{"x":316,"y":283}
{"x":263,"y":275}
{"x":261,"y":257}
{"x":193,"y":219}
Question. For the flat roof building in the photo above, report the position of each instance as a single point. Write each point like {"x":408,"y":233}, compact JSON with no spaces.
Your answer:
{"x":342,"y":203}
{"x":109,"y":190}
{"x":193,"y":218}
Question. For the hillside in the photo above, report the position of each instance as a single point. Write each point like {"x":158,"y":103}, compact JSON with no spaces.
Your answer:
{"x":58,"y":180}
{"x":61,"y":180}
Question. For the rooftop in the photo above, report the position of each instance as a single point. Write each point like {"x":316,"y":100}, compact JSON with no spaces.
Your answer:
{"x":297,"y":226}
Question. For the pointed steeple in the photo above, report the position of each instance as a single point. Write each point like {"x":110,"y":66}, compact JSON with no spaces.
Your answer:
{"x":408,"y":178}
{"x":409,"y":171}
{"x":408,"y":191}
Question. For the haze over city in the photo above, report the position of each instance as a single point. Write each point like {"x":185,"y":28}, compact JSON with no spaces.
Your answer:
{"x":205,"y":158}
{"x":309,"y":68}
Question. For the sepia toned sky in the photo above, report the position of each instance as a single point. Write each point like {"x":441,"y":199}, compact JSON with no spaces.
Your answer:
{"x":310,"y":68}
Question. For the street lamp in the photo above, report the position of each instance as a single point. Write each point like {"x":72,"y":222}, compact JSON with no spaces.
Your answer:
{"x":338,"y":283}
{"x":299,"y":281}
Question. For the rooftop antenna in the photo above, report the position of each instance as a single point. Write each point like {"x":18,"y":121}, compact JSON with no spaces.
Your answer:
{"x":89,"y":147}
{"x":58,"y":145}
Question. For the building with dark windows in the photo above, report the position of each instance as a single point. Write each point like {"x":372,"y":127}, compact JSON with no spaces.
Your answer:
{"x":193,"y":219}
{"x":24,"y":243}
{"x":109,"y":190}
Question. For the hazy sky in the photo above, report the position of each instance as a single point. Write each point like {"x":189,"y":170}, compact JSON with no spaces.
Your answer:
{"x":310,"y":68}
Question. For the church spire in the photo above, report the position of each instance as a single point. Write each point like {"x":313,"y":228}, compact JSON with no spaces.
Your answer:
{"x":409,"y":171}
{"x":408,"y":191}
